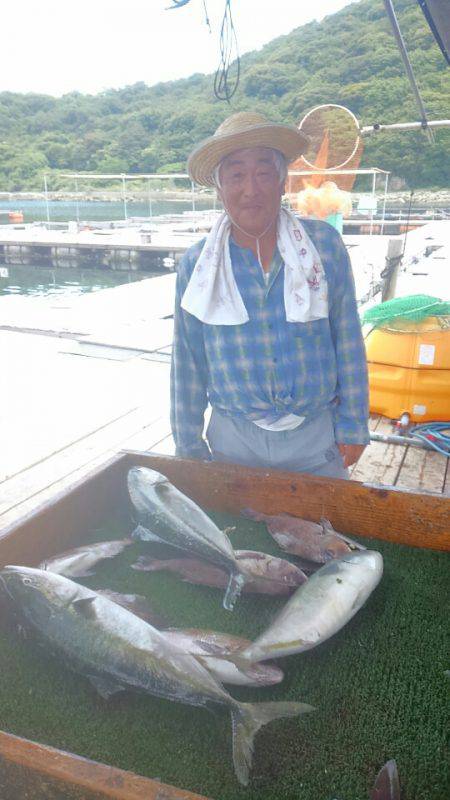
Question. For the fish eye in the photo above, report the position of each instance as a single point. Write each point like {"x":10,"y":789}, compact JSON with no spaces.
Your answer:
{"x":27,"y":581}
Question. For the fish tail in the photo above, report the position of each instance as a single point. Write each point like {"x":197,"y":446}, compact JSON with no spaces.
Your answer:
{"x":250,"y":514}
{"x":246,"y":720}
{"x":233,"y":590}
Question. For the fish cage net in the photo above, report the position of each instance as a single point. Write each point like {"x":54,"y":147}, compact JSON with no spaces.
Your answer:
{"x":412,"y":310}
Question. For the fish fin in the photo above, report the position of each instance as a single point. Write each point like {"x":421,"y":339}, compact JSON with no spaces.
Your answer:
{"x":229,"y":529}
{"x":387,"y":784}
{"x":105,"y":686}
{"x":246,"y":720}
{"x":84,"y":606}
{"x":233,"y":590}
{"x":328,"y":528}
{"x":142,"y":534}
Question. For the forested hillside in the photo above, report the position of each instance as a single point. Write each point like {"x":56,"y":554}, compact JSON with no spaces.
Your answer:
{"x":350,"y":58}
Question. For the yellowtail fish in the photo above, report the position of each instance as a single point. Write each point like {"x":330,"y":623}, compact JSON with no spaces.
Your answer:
{"x":166,"y":515}
{"x":79,"y":562}
{"x":213,"y":646}
{"x":319,"y":608}
{"x":116,"y":650}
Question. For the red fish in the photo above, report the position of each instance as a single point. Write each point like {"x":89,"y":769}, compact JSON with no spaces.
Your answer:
{"x":265,"y":574}
{"x":310,"y":540}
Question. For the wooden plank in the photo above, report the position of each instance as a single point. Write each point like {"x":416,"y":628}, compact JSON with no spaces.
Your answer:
{"x":53,"y":399}
{"x":30,"y":488}
{"x":39,"y":763}
{"x":380,"y":462}
{"x":410,"y":518}
{"x":165,"y":448}
{"x":423,"y":470}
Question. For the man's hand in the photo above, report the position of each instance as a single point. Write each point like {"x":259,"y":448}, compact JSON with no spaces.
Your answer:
{"x":350,"y":453}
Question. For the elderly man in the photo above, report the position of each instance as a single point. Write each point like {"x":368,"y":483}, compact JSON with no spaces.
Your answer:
{"x":266,"y":327}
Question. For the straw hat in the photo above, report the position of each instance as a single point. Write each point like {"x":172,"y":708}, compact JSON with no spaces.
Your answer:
{"x":245,"y":129}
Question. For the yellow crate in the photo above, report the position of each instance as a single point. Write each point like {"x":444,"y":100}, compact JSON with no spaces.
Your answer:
{"x":409,"y":370}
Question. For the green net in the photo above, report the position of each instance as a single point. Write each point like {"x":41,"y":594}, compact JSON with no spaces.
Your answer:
{"x":415,"y":308}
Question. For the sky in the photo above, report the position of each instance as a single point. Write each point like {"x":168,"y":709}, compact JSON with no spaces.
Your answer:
{"x":55,"y":46}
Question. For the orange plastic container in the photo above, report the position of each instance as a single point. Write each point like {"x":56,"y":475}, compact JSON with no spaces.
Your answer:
{"x":409,"y":369}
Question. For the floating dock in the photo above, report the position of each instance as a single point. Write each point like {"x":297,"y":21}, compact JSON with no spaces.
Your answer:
{"x":143,"y":246}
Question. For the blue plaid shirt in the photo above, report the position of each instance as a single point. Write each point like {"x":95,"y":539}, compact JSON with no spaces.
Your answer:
{"x":268,"y":366}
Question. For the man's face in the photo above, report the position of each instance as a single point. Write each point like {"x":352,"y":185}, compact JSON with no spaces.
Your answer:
{"x":251,"y":190}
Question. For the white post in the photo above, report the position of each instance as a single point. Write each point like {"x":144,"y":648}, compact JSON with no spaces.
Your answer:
{"x":124,"y":195}
{"x":386,"y":178}
{"x":77,"y":206}
{"x":193,"y":196}
{"x":149,"y":201}
{"x":46,"y":198}
{"x":373,"y":197}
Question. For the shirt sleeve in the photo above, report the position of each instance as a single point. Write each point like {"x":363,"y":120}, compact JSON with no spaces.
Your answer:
{"x":351,"y":413}
{"x":188,"y":378}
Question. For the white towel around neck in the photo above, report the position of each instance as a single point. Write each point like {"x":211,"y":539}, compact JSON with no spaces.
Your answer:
{"x":212,"y":294}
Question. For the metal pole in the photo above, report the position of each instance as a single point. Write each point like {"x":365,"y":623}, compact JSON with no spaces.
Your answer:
{"x":149,"y":201}
{"x":407,"y":64}
{"x":77,"y":205}
{"x":404,"y":126}
{"x":124,"y":195}
{"x":46,"y":198}
{"x":386,"y":178}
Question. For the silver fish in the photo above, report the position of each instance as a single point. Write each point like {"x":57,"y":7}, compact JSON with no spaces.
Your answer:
{"x":165,"y":514}
{"x":319,"y":608}
{"x":265,"y":574}
{"x":78,"y":563}
{"x":117,"y":650}
{"x":213,"y":646}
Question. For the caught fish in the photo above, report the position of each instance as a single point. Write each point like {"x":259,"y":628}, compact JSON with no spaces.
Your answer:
{"x":78,"y":563}
{"x":387,"y":784}
{"x":212,"y":646}
{"x":310,"y":540}
{"x":319,"y":608}
{"x":137,"y":604}
{"x":265,"y":574}
{"x":117,"y":650}
{"x":166,"y":515}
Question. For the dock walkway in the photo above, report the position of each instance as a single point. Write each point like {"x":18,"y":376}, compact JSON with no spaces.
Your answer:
{"x":86,"y":376}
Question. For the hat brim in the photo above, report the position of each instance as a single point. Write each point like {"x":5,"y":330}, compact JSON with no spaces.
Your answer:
{"x":204,"y":159}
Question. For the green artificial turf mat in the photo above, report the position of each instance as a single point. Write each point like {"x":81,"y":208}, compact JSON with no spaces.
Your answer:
{"x":379,"y":687}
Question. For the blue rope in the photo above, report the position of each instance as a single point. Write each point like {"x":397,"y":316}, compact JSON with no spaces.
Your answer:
{"x":432,"y":433}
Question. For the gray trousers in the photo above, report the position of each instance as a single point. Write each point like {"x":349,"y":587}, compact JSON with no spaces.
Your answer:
{"x":309,"y":448}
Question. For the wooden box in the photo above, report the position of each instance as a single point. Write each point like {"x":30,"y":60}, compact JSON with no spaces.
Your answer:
{"x":32,"y":770}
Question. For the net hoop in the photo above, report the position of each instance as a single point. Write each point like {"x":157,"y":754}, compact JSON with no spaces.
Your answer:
{"x":355,"y":123}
